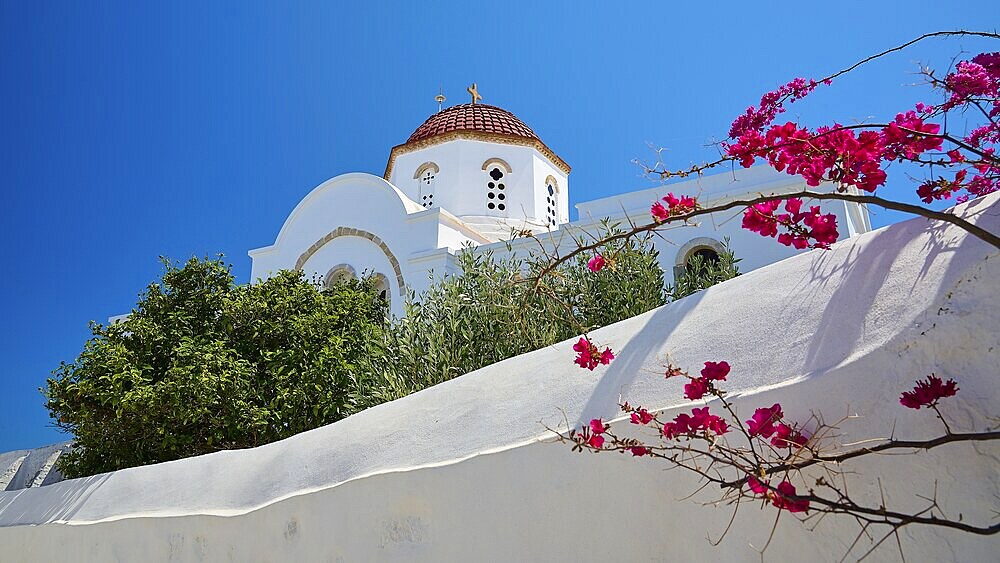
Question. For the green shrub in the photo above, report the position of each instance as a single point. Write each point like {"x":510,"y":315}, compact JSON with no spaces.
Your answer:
{"x":202,"y":364}
{"x":493,"y":310}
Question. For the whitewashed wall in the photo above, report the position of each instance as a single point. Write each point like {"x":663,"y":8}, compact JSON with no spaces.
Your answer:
{"x":374,"y":208}
{"x":463,"y":471}
{"x":673,"y":242}
{"x":461,"y":184}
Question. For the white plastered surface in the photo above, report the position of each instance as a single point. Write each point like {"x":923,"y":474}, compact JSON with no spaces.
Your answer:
{"x":458,"y":471}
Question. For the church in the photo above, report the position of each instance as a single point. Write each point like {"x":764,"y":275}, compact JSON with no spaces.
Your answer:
{"x":476,"y":175}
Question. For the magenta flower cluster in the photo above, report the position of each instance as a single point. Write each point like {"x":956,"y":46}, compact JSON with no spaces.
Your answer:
{"x":766,"y":423}
{"x":676,"y":205}
{"x":699,"y":421}
{"x":596,"y":264}
{"x":804,"y":229}
{"x":589,"y":357}
{"x":699,"y":386}
{"x":856,"y":156}
{"x":927,"y":393}
{"x":782,"y":497}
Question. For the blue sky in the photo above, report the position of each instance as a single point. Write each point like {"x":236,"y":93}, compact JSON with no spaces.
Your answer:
{"x":131,"y":131}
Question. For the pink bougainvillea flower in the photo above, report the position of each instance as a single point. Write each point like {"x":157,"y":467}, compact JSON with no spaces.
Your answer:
{"x":786,"y":436}
{"x":672,"y":430}
{"x":941,"y":188}
{"x":718,"y":425}
{"x":589,"y":357}
{"x":592,"y":433}
{"x":659,"y":212}
{"x":784,"y":501}
{"x":695,"y":389}
{"x":802,"y":226}
{"x":596,"y":264}
{"x":676,"y":205}
{"x":715,"y":371}
{"x":597,"y":426}
{"x":700,"y":420}
{"x":759,"y":218}
{"x":909,"y":136}
{"x":639,"y":451}
{"x":606,"y":357}
{"x":927,"y":393}
{"x":756,"y":487}
{"x":762,"y":423}
{"x":683,"y":422}
{"x":970,"y":80}
{"x":641,"y":416}
{"x":990,"y":62}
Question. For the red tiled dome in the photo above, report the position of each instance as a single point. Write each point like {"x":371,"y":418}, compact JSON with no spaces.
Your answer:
{"x":472,"y":117}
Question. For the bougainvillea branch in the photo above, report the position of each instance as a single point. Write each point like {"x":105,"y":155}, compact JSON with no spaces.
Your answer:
{"x":852,"y":159}
{"x":796,"y":466}
{"x":686,"y":217}
{"x":722,"y":452}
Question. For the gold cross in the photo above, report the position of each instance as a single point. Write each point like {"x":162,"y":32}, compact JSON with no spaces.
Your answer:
{"x":475,"y":93}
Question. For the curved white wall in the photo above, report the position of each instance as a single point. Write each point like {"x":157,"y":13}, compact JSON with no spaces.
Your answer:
{"x":354,"y":209}
{"x":457,"y":471}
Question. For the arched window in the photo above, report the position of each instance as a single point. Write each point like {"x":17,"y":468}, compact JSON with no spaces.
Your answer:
{"x":425,"y":176}
{"x":382,"y":287}
{"x":706,"y":257}
{"x":552,"y":202}
{"x":497,"y":176}
{"x":708,"y":250}
{"x":338,"y":274}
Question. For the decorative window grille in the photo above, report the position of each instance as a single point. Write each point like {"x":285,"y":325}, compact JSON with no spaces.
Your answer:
{"x":552,"y":207}
{"x":426,"y":176}
{"x":496,"y":191}
{"x":427,"y":188}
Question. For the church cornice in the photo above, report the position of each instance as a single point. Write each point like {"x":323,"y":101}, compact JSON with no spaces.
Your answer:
{"x":481,"y":136}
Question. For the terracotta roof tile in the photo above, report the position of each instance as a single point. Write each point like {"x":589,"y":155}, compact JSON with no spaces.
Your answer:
{"x":472,"y":117}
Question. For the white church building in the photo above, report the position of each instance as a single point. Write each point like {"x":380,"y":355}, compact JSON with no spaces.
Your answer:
{"x":475,"y":174}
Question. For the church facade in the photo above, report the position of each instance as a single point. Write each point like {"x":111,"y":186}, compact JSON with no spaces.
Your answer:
{"x":476,"y":175}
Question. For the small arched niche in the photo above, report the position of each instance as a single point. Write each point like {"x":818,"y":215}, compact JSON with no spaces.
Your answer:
{"x":339,"y":274}
{"x":709,"y":249}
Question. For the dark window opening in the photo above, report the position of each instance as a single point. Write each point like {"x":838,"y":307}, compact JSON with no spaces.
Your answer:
{"x":707,"y":258}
